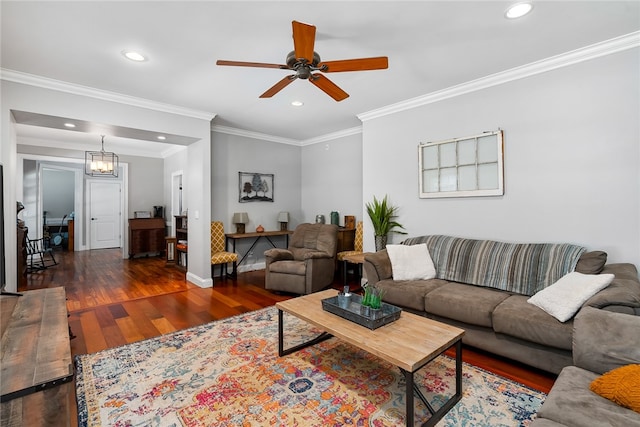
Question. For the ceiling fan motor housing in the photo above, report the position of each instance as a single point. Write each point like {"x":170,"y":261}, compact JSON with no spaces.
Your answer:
{"x":301,"y":66}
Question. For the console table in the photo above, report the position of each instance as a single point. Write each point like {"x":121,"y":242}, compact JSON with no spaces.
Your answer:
{"x":36,"y":359}
{"x":233,"y":237}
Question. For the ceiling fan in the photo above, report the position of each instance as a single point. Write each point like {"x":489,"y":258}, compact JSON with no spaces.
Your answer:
{"x":305,"y":62}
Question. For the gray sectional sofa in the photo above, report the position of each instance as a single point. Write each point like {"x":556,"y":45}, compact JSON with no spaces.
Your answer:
{"x":483,"y":286}
{"x":603,"y":341}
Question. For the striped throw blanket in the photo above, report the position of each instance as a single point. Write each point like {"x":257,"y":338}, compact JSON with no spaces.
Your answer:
{"x":523,"y":268}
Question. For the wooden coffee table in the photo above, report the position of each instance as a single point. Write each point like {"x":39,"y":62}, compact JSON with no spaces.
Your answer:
{"x":409,"y":343}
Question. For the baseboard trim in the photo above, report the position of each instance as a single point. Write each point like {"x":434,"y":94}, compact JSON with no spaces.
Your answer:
{"x":199,"y":281}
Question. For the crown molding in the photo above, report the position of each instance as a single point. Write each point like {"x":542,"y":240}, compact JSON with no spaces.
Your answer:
{"x":607,"y":47}
{"x":331,"y":136}
{"x":74,"y":89}
{"x":255,"y":135}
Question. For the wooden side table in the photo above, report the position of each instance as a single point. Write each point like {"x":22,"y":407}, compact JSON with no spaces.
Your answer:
{"x":353,"y":259}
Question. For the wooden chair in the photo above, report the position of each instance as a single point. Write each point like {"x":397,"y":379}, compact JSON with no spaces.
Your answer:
{"x":357,"y":250}
{"x":218,"y":254}
{"x":357,"y":244}
{"x":37,"y":255}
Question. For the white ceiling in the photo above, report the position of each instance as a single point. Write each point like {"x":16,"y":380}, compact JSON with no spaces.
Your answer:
{"x":431,"y":45}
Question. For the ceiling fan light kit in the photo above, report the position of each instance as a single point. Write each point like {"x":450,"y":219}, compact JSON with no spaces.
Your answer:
{"x":307,"y":65}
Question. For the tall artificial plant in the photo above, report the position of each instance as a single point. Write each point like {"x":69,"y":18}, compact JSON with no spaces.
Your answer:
{"x":382,"y":215}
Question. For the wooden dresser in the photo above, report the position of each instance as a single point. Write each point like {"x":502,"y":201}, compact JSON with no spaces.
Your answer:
{"x":36,"y":359}
{"x":146,"y":235}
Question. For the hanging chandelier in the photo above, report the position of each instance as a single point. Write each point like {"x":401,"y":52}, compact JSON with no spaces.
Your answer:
{"x":101,"y":163}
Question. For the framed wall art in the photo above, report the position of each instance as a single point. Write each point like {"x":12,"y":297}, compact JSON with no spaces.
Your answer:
{"x":462,"y":167}
{"x":255,"y":187}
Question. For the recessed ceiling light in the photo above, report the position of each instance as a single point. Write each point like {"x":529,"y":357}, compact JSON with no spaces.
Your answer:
{"x":162,"y":137}
{"x":134,"y":56}
{"x":518,"y":10}
{"x":69,"y":125}
{"x":297,"y":103}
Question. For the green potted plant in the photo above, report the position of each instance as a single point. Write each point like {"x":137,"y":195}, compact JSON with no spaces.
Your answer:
{"x":372,"y":300}
{"x":382,"y":215}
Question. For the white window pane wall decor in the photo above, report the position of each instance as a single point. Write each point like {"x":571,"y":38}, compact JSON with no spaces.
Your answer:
{"x":462,"y":167}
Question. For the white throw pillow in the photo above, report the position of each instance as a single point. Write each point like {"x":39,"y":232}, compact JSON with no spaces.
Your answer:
{"x":564,"y":298}
{"x":411,"y":262}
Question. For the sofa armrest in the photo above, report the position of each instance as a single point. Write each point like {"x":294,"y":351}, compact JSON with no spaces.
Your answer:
{"x":604,"y":340}
{"x":377,"y":266}
{"x":278,"y":254}
{"x":623,"y":294}
{"x":316,"y":255}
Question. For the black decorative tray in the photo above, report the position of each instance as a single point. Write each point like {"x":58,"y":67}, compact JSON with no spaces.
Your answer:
{"x":354,"y":312}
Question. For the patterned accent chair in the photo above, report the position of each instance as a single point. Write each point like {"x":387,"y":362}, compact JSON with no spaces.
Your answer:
{"x":357,"y":244}
{"x":218,"y":254}
{"x":308,"y":265}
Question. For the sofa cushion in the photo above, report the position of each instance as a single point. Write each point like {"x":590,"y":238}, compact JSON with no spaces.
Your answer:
{"x":591,"y":262}
{"x":603,"y":340}
{"x":515,"y":317}
{"x":408,"y":293}
{"x":621,"y":385}
{"x":523,"y":268}
{"x":465,"y":303}
{"x":570,"y":402}
{"x":564,"y":298}
{"x":411,"y":262}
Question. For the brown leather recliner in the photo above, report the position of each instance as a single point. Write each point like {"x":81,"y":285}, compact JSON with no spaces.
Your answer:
{"x":308,"y":265}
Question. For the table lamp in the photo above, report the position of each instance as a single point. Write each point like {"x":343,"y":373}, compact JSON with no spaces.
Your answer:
{"x":240,"y":219}
{"x":283,"y":219}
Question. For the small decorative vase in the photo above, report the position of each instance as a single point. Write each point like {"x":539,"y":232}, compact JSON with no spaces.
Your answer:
{"x":344,"y":300}
{"x":376,"y":313}
{"x":381,"y":242}
{"x":260,"y":229}
{"x":365,"y":310}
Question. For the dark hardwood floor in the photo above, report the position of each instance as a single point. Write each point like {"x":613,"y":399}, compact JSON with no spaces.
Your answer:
{"x":114,"y":301}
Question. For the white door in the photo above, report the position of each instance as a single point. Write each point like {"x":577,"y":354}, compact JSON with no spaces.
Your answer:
{"x":104,"y":211}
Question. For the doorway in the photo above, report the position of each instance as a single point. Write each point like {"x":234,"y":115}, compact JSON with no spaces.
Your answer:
{"x":105,"y":213}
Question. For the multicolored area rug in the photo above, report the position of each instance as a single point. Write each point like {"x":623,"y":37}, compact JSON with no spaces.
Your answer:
{"x":228,"y":373}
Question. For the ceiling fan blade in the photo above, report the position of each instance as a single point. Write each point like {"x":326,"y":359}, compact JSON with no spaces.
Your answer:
{"x":251,"y":64}
{"x":278,"y":86}
{"x":328,"y":87}
{"x":362,"y":64}
{"x":304,"y":37}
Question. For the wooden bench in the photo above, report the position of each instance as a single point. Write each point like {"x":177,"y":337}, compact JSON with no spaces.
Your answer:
{"x":36,"y":366}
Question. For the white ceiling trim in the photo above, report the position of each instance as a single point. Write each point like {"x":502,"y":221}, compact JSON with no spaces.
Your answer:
{"x":47,"y":83}
{"x":594,"y":51}
{"x":255,"y":135}
{"x":331,"y":136}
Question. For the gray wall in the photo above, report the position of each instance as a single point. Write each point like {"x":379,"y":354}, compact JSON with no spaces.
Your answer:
{"x":313,"y":179}
{"x":146,"y":183}
{"x":572,"y":159}
{"x":232,"y":154}
{"x":57,"y":193}
{"x":332,"y":178}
